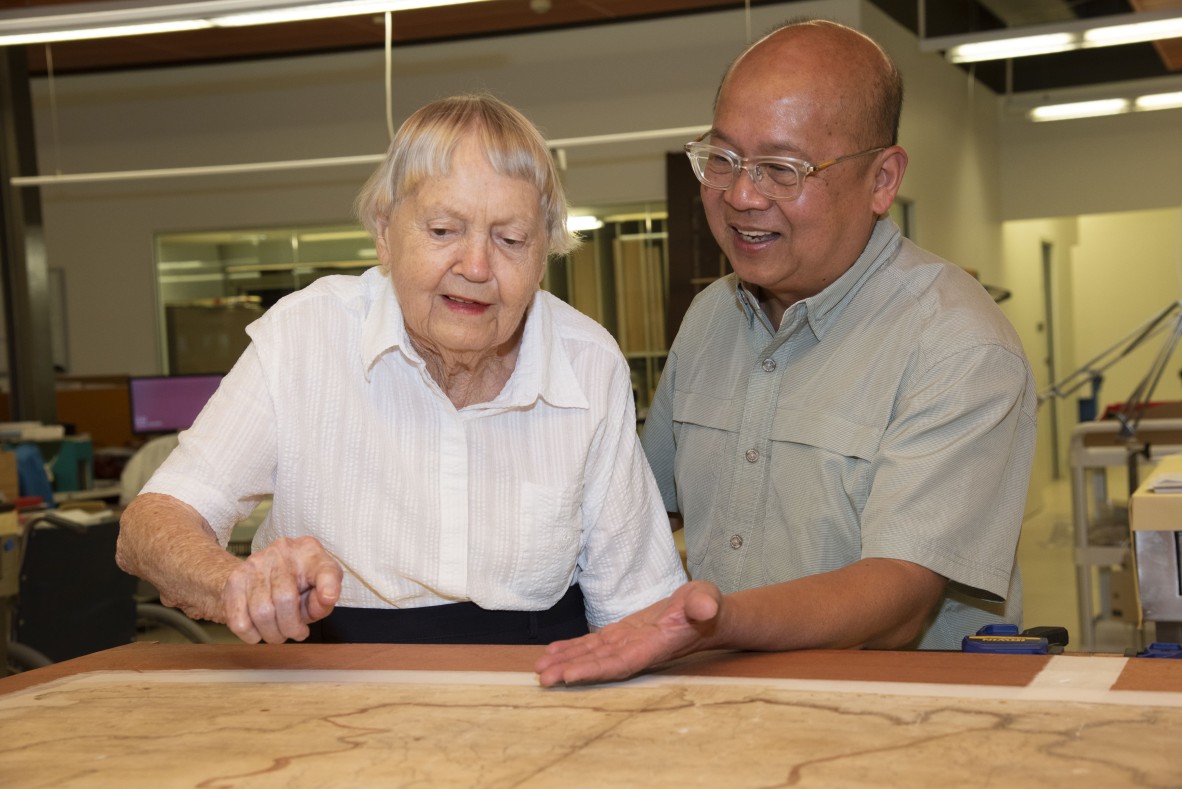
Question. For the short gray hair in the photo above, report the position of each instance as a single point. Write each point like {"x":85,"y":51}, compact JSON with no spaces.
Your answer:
{"x":424,"y":146}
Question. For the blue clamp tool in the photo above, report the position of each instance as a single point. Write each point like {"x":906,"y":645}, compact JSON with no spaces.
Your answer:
{"x":1162,"y":649}
{"x":1006,"y":640}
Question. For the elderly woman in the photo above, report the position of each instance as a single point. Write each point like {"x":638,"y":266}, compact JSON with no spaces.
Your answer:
{"x":451,"y":451}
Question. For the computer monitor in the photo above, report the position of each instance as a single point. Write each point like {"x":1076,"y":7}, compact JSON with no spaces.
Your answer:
{"x":168,"y":403}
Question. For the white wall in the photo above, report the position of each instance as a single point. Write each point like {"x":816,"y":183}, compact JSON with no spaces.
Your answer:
{"x":1027,"y":310}
{"x":1091,"y":166}
{"x":1126,"y":268}
{"x":1111,"y":273}
{"x":619,"y":78}
{"x":971,"y":165}
{"x":599,"y":80}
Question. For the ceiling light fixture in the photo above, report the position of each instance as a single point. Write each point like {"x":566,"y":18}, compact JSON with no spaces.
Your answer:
{"x":1060,"y":37}
{"x":1159,"y":101}
{"x":112,"y":31}
{"x":77,"y":21}
{"x":1079,"y":109}
{"x":308,"y":11}
{"x":582,"y":223}
{"x":1097,"y":107}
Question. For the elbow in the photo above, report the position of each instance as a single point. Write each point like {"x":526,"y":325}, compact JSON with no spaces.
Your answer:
{"x":904,"y":636}
{"x":123,"y":552}
{"x":127,"y":553}
{"x":913,"y":613}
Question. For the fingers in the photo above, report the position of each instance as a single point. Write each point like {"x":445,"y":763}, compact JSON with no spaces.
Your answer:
{"x":669,"y":628}
{"x":262,"y":603}
{"x":277,"y":592}
{"x":591,"y":658}
{"x":583,"y":671}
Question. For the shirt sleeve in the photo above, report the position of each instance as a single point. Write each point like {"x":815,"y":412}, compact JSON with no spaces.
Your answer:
{"x":225,"y":463}
{"x":657,"y":436}
{"x":951,"y":476}
{"x":629,"y":560}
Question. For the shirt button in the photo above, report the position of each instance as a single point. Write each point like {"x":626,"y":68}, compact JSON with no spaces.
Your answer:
{"x":752,"y":455}
{"x":769,"y":365}
{"x":736,"y":542}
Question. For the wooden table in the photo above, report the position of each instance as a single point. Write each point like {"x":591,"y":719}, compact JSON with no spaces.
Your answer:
{"x":367,"y":715}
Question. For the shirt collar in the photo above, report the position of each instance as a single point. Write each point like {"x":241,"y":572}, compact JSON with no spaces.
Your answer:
{"x":823,"y":308}
{"x":382,"y":329}
{"x":542,"y":371}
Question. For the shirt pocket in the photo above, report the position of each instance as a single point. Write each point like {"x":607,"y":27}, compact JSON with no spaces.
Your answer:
{"x":827,"y":432}
{"x":824,"y":471}
{"x":706,"y":432}
{"x":550,"y":539}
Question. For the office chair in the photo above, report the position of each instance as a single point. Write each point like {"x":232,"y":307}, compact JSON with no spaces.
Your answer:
{"x":73,"y":599}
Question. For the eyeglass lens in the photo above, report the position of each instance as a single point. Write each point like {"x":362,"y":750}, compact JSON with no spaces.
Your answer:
{"x":718,"y":168}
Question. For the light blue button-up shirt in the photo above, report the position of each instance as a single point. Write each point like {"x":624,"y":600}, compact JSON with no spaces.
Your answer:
{"x":892,"y":415}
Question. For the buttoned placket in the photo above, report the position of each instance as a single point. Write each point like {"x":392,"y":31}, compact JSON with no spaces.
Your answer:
{"x":744,"y":538}
{"x":454,"y":488}
{"x":453,"y":502}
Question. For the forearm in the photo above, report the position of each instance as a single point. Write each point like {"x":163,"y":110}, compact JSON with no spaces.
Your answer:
{"x":873,"y":603}
{"x":169,"y":544}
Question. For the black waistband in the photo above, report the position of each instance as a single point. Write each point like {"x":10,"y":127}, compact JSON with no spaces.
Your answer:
{"x":453,"y":623}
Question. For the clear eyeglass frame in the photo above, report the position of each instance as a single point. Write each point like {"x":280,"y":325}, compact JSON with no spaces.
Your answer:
{"x":774,"y":177}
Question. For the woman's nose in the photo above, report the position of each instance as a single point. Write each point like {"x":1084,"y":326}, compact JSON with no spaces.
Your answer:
{"x":475,"y":262}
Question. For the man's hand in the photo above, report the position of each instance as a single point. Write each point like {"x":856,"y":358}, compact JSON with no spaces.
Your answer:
{"x":277,"y":592}
{"x":678,"y":625}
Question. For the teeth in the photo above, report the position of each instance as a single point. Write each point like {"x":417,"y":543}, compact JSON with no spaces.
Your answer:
{"x":461,"y":301}
{"x":754,"y":237}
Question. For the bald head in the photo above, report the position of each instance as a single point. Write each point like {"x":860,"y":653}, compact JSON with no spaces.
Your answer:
{"x":841,"y":68}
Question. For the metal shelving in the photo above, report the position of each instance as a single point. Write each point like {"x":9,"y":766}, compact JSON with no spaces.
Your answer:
{"x":1100,"y":525}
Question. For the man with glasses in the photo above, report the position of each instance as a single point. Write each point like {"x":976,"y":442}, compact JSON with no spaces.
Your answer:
{"x":845,"y":424}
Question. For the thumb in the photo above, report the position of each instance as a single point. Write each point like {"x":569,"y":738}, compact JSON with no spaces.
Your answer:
{"x":325,"y":592}
{"x":702,"y":603}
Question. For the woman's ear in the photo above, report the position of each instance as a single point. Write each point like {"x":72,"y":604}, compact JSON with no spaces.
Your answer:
{"x":888,"y":179}
{"x":381,"y":245}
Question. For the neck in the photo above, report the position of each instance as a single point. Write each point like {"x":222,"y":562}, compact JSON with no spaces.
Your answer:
{"x":469,"y":378}
{"x":773,"y":307}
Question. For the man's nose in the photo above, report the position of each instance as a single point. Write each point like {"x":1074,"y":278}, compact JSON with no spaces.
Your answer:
{"x":743,"y":193}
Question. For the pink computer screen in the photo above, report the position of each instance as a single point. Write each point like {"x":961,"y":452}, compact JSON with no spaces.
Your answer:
{"x":167,"y":404}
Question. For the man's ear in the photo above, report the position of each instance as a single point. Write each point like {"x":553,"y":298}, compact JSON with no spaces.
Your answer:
{"x":888,"y":178}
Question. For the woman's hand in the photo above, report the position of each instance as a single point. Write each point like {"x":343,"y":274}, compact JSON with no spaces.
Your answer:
{"x":276,"y":593}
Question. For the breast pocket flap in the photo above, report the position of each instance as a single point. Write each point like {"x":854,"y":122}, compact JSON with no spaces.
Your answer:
{"x":697,"y":409}
{"x":827,"y":431}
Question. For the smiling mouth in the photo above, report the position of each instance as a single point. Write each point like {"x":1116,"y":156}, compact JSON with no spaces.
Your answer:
{"x":752,"y":237}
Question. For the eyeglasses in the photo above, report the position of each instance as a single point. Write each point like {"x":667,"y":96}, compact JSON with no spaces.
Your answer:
{"x":775,"y":177}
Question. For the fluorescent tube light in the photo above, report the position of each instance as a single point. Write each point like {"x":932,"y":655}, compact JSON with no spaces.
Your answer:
{"x":577,"y":224}
{"x":303,"y":13}
{"x":75,"y":21}
{"x":1079,"y":109}
{"x":1013,"y":47}
{"x":1059,"y":37}
{"x":1159,"y":101}
{"x":117,"y":31}
{"x":1133,"y":33}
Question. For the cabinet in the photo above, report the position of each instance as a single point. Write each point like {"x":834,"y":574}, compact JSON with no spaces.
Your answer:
{"x":1099,"y":523}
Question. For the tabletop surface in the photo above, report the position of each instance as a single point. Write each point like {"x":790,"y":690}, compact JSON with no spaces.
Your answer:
{"x":400,"y":715}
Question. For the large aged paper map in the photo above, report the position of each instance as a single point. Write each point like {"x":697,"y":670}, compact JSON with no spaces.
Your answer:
{"x":472,"y":729}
